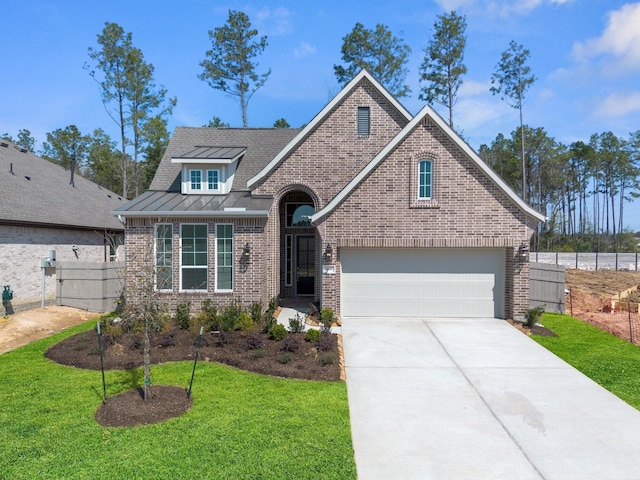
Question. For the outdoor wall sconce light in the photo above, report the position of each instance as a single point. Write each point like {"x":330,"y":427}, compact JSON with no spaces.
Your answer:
{"x":328,"y":252}
{"x":523,"y":253}
{"x":246,"y":250}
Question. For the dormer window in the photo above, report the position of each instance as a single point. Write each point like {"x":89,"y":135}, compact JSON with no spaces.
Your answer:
{"x":213,"y":177}
{"x":196,"y":179}
{"x":209,"y":170}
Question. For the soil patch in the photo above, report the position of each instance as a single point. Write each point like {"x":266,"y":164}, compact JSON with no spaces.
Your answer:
{"x":535,"y":330}
{"x":22,"y":328}
{"x":131,"y":408}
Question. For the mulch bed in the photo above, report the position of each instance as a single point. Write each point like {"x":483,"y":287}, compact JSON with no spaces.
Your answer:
{"x":253,"y":352}
{"x":131,"y":408}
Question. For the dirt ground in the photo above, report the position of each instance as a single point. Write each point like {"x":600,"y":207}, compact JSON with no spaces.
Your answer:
{"x":590,"y":299}
{"x":603,"y":283}
{"x":25,"y":327}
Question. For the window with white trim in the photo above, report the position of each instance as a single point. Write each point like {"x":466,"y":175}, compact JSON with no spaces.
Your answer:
{"x":213,"y":179}
{"x":164,"y":256}
{"x":425,"y":178}
{"x":195,"y":177}
{"x":224,"y":257}
{"x":364,"y":121}
{"x":193,"y":256}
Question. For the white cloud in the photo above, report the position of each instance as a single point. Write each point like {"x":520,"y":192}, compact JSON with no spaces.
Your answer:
{"x":276,"y":21}
{"x":304,"y":50}
{"x":618,"y":105}
{"x":502,"y":8}
{"x":620,"y":39}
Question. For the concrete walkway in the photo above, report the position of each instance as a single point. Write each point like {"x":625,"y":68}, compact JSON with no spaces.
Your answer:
{"x":477,"y":399}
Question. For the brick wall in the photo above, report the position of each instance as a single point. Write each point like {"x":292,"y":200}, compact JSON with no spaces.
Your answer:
{"x":467,"y":210}
{"x":21,"y":251}
{"x":249,"y":277}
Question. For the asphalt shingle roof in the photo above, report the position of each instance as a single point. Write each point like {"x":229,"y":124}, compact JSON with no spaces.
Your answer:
{"x":36,"y":191}
{"x":261,"y":144}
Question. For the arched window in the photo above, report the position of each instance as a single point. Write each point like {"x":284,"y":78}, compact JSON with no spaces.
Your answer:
{"x":425,"y":179}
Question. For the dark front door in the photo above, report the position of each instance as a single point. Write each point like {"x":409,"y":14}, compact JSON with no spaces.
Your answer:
{"x":305,"y":262}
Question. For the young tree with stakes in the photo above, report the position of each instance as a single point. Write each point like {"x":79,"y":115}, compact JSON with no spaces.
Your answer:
{"x":230,"y":65}
{"x":511,"y":80}
{"x":443,"y":65}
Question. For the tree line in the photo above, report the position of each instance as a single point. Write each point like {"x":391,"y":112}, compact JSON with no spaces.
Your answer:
{"x":582,"y":188}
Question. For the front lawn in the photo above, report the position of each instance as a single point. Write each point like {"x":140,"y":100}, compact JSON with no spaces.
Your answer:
{"x":608,"y":360}
{"x":241,"y":425}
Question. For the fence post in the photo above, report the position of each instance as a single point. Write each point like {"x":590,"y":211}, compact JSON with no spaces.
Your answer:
{"x":576,"y":260}
{"x":616,"y":261}
{"x":596,"y":261}
{"x":556,"y":258}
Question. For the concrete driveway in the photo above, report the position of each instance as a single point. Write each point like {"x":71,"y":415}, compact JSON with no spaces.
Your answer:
{"x":477,"y":399}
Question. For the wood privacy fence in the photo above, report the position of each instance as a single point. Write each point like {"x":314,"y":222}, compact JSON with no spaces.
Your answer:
{"x":547,"y":287}
{"x":588,"y":261}
{"x":95,"y":287}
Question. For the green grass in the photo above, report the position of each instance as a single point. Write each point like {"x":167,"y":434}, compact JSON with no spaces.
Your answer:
{"x":608,"y":360}
{"x":241,"y":425}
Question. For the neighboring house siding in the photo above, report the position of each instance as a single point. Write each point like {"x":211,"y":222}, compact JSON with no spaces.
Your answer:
{"x":471,"y":212}
{"x":249,"y":282}
{"x":26,"y":246}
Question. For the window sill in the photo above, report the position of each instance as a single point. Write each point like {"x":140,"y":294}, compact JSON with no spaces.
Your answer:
{"x":419,"y":203}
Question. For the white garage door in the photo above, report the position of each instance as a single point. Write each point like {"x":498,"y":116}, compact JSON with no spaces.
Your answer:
{"x":422,"y":282}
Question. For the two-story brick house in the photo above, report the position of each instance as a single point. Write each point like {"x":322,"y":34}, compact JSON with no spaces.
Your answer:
{"x":367,"y":210}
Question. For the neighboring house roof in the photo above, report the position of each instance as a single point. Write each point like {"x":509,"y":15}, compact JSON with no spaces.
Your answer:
{"x":326,"y":111}
{"x":426,"y":113}
{"x":260,"y":145}
{"x":36,"y":192}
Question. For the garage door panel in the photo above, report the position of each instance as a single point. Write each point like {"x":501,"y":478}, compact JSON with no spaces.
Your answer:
{"x":422,"y":282}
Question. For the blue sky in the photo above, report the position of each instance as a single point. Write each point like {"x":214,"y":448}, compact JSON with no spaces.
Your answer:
{"x":584,"y":53}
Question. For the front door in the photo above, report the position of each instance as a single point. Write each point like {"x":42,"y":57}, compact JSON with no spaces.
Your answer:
{"x":306,"y":266}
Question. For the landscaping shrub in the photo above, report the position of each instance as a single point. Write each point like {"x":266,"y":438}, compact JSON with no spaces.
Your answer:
{"x":312,"y":335}
{"x":277,"y":332}
{"x":325,"y":343}
{"x":291,"y":343}
{"x":326,"y":318}
{"x":327,"y":358}
{"x":269,"y":314}
{"x":296,"y":324}
{"x":228,"y":317}
{"x":183,"y":315}
{"x":532,"y":315}
{"x":286,"y":357}
{"x":254,"y":341}
{"x":255,"y":311}
{"x":244,"y":322}
{"x":208,"y":316}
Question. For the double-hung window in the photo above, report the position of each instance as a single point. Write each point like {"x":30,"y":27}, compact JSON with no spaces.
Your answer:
{"x":425,"y":176}
{"x":224,"y":257}
{"x":164,"y":256}
{"x":194,"y":256}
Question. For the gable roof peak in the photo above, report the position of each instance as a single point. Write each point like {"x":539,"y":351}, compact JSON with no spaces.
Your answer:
{"x":362,"y":76}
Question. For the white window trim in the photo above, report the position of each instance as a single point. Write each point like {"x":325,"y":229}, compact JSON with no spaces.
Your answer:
{"x":155,"y":257}
{"x":206,"y":289}
{"x":430,"y":197}
{"x":233,"y":269}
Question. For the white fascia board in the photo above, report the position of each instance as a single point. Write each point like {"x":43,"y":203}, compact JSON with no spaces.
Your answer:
{"x":427,"y":111}
{"x":320,"y":116}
